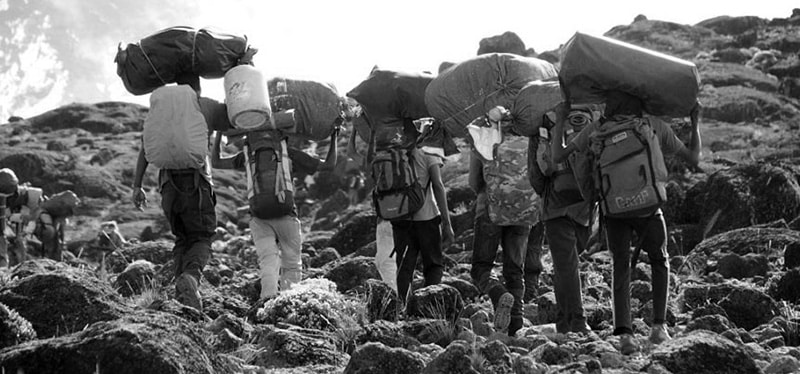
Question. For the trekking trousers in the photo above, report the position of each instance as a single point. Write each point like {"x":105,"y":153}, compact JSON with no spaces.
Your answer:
{"x":488,"y":236}
{"x":384,"y":258}
{"x":653,"y":230}
{"x":533,"y":261}
{"x":188,"y":202}
{"x":278,"y":245}
{"x":414,"y":239}
{"x":566,"y":238}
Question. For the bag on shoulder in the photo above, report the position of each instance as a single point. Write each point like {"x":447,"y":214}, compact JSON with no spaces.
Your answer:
{"x":630,"y":171}
{"x":570,"y":176}
{"x":175,"y":132}
{"x":397,"y":194}
{"x":511,"y":199}
{"x":61,"y":205}
{"x":270,"y":189}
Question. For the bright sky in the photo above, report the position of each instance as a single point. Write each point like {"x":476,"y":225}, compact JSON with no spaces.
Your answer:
{"x":340,"y":41}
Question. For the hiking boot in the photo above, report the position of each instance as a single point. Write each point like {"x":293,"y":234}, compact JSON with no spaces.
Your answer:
{"x":627,"y":344}
{"x":186,"y":291}
{"x":502,"y":312}
{"x":658,"y":333}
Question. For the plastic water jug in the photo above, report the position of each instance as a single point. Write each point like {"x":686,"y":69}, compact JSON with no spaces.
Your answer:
{"x":246,"y":97}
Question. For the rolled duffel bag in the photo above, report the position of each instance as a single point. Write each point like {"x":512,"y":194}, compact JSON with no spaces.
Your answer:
{"x":387,"y":93}
{"x":532,"y":102}
{"x":469,"y":89}
{"x":317,"y":106}
{"x":590,"y":65}
{"x":159,"y":58}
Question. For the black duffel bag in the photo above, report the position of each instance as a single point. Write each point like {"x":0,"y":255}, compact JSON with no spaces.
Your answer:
{"x":160,"y":58}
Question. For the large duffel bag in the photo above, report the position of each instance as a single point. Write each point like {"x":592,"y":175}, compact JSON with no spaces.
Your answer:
{"x":159,"y":58}
{"x":317,"y":106}
{"x":387,"y":93}
{"x":532,"y":102}
{"x":469,"y":89}
{"x":590,"y":65}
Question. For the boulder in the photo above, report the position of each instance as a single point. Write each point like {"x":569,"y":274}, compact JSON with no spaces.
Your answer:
{"x":740,"y":104}
{"x":728,"y":25}
{"x":745,"y":195}
{"x":702,"y":352}
{"x":683,"y":41}
{"x":63,"y":301}
{"x":388,"y":333}
{"x":382,"y":301}
{"x":135,"y":278}
{"x":350,"y":273}
{"x":736,"y":266}
{"x":765,"y":241}
{"x":466,"y":288}
{"x":323,"y":257}
{"x":145,"y":342}
{"x":438,"y":301}
{"x":158,"y":252}
{"x":790,"y":87}
{"x":786,"y":68}
{"x":721,"y":74}
{"x":376,"y":358}
{"x":358,"y":231}
{"x":336,"y":203}
{"x":746,"y":306}
{"x":791,"y":254}
{"x":295,"y":348}
{"x":455,"y":359}
{"x":507,"y":42}
{"x":786,"y":288}
{"x":100,"y":118}
{"x":14,"y":329}
{"x":714,"y":323}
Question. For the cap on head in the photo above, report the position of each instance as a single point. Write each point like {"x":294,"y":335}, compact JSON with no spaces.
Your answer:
{"x":8,"y":181}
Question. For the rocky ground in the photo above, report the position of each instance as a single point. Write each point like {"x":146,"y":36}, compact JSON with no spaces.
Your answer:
{"x":734,"y":241}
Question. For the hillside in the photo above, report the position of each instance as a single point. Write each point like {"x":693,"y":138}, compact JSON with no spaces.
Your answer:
{"x":733,"y":229}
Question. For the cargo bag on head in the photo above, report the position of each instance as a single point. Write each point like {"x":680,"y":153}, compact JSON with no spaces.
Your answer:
{"x":317,"y":106}
{"x":175,"y":132}
{"x":592,"y":65}
{"x":630,"y":174}
{"x":61,"y":205}
{"x":270,"y":189}
{"x":533,"y":101}
{"x":397,"y":194}
{"x":160,"y":58}
{"x":510,"y":198}
{"x":469,"y":89}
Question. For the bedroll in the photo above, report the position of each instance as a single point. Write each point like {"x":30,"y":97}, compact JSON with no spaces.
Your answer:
{"x":469,"y":89}
{"x":317,"y":106}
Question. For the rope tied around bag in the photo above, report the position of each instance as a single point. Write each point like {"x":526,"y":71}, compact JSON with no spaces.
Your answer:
{"x":151,"y":63}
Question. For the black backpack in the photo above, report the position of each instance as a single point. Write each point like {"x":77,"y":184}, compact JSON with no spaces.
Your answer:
{"x":270,"y":189}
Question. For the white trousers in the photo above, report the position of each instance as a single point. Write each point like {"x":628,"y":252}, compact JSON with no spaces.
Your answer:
{"x":278,"y":244}
{"x":384,"y":241}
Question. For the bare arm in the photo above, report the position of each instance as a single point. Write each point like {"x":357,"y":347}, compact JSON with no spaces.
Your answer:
{"x":139,"y":198}
{"x":692,"y":154}
{"x":476,"y":181}
{"x":333,"y":153}
{"x":440,"y":194}
{"x":217,"y":161}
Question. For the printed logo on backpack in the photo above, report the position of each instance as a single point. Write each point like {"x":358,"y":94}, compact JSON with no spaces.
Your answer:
{"x":511,"y":199}
{"x":270,"y":189}
{"x":397,"y":194}
{"x":630,"y":171}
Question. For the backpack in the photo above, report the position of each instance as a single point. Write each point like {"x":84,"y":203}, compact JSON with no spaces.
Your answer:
{"x":175,"y":132}
{"x":571,"y":176}
{"x":510,"y":197}
{"x":397,"y":194}
{"x":630,"y":173}
{"x":270,"y":189}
